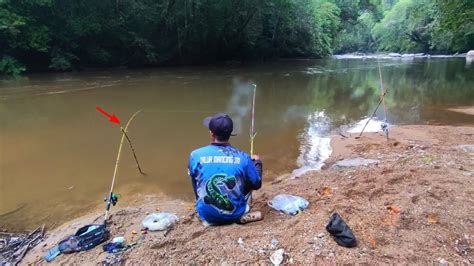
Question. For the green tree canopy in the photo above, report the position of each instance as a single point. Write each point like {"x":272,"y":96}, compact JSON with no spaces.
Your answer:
{"x":63,"y":35}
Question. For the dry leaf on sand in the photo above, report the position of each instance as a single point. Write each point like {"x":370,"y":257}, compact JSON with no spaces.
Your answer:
{"x":327,"y":191}
{"x":373,"y":243}
{"x":394,"y":209}
{"x":432,"y":218}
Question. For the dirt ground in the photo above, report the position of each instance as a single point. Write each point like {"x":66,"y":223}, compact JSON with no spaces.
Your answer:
{"x":415,"y":205}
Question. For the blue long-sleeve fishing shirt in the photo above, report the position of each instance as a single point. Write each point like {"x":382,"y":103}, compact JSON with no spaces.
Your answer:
{"x":222,"y":177}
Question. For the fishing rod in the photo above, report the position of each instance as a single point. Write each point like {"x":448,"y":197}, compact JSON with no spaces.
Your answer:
{"x":253,"y":133}
{"x":113,"y":198}
{"x":383,"y":92}
{"x":373,"y":113}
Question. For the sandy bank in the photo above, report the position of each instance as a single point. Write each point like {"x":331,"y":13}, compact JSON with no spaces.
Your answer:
{"x":421,"y":171}
{"x":465,"y":110}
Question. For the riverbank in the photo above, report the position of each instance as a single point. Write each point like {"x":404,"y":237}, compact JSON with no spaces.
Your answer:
{"x":413,"y":204}
{"x":396,"y":56}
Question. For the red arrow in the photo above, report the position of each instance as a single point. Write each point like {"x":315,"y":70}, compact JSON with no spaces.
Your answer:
{"x":112,"y":118}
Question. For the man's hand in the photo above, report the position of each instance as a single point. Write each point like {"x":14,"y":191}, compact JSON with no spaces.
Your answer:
{"x":258,"y":165}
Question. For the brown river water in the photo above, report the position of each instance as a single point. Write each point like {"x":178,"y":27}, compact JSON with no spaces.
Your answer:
{"x":57,"y":153}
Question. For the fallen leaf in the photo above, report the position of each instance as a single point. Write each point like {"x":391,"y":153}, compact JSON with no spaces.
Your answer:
{"x":327,"y":191}
{"x":394,"y":209}
{"x":432,"y":218}
{"x":373,"y":243}
{"x":390,"y":219}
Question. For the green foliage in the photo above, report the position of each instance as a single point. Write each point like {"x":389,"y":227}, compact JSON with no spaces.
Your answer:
{"x":406,"y":27}
{"x":425,"y":25}
{"x":358,"y":17}
{"x":70,"y":34}
{"x":10,"y":66}
{"x":62,"y":60}
{"x":21,"y":34}
{"x":453,"y":27}
{"x":328,"y":22}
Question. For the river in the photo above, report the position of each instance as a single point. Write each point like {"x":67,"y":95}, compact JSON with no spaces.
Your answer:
{"x":57,"y":153}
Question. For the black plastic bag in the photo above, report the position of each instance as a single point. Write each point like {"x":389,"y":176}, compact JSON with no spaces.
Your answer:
{"x":341,"y":232}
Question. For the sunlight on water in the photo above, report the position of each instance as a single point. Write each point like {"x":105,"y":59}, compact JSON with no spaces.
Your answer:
{"x":315,"y":147}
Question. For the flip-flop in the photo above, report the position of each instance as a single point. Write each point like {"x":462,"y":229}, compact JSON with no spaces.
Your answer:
{"x":251,"y":217}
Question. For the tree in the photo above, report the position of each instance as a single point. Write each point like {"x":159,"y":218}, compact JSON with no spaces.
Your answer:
{"x":64,"y":35}
{"x":20,"y":35}
{"x":453,"y":27}
{"x":406,"y":27}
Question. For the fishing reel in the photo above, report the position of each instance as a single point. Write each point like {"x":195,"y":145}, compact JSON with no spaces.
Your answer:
{"x":384,"y":126}
{"x":113,"y":198}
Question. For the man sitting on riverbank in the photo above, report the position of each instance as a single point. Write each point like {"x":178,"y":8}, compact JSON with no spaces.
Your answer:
{"x":223,"y":177}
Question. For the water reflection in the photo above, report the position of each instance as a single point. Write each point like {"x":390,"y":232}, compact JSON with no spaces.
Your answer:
{"x":469,"y":61}
{"x":315,"y":143}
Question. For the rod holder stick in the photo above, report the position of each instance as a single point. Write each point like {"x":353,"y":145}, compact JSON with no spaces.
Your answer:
{"x":373,"y":113}
{"x":133,"y":150}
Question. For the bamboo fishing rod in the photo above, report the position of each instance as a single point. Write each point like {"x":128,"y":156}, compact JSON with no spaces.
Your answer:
{"x":111,"y":196}
{"x":253,"y":133}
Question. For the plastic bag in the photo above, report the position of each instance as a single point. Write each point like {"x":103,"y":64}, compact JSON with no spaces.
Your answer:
{"x":159,"y":221}
{"x":341,"y":232}
{"x":52,"y":254}
{"x":118,"y":239}
{"x":113,"y":247}
{"x":288,"y":204}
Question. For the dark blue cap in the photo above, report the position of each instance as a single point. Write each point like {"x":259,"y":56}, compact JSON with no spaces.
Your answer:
{"x":220,"y":124}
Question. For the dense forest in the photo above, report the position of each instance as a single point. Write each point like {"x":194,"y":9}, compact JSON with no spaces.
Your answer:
{"x":63,"y":35}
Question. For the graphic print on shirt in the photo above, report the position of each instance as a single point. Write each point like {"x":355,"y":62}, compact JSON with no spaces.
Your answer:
{"x":216,"y":187}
